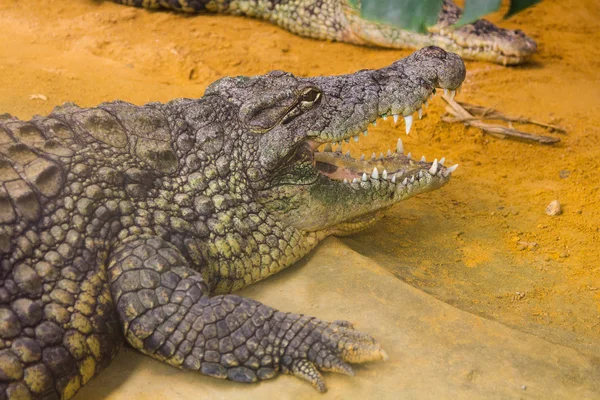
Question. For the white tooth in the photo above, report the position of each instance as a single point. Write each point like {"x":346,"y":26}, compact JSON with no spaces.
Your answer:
{"x":434,"y":167}
{"x":405,"y":181}
{"x":345,"y":180}
{"x":412,"y":179}
{"x":421,"y":173}
{"x":384,"y":174}
{"x":338,"y":149}
{"x":328,"y":147}
{"x":426,"y":103}
{"x":366,"y":133}
{"x":394,"y":178}
{"x":409,"y":156}
{"x":442,"y":160}
{"x":362,"y":158}
{"x":395,"y":119}
{"x":354,"y":180}
{"x":381,"y":156}
{"x":348,"y":154}
{"x":384,"y":117}
{"x":389,"y":153}
{"x":374,"y":124}
{"x":452,"y":168}
{"x":373,"y":156}
{"x":408,"y":121}
{"x":375,"y":174}
{"x":452,"y":94}
{"x":423,"y":159}
{"x":364,"y":177}
{"x":355,"y":138}
{"x":420,"y":112}
{"x":445,"y":92}
{"x":399,"y":146}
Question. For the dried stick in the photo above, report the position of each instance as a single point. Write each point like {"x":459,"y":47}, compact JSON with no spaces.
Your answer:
{"x":490,"y":113}
{"x":462,"y":115}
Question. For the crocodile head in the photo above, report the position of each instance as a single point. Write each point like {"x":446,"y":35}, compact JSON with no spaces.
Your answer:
{"x":289,"y":118}
{"x":480,"y":40}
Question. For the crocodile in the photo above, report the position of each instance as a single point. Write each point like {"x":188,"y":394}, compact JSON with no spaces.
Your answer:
{"x":338,"y":20}
{"x":133,"y":224}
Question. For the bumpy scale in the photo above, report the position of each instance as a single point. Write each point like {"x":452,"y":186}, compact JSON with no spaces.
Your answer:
{"x":125,"y":222}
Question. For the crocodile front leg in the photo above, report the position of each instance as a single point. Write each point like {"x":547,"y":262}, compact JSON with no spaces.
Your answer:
{"x":166,"y":312}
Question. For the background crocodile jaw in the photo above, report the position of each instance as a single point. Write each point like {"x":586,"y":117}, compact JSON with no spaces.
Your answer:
{"x":481,"y":40}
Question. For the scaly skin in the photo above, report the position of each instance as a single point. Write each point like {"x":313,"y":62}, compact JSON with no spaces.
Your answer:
{"x":337,"y":20}
{"x":135,"y":222}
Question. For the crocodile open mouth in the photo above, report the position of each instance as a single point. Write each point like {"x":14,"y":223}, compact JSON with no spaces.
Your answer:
{"x":392,"y":167}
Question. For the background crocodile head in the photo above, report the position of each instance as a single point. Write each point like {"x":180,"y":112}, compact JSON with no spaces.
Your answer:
{"x":288,"y":118}
{"x":480,"y":40}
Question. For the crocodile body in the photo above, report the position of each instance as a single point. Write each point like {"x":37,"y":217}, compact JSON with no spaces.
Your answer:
{"x":125,"y":223}
{"x":337,"y":20}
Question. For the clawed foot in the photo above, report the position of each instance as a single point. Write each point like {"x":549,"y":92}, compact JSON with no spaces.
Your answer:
{"x":330,"y":347}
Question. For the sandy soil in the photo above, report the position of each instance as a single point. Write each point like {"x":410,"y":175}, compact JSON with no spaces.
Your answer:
{"x":466,"y":244}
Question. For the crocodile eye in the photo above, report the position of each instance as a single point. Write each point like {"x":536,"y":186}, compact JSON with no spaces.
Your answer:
{"x":310,"y":97}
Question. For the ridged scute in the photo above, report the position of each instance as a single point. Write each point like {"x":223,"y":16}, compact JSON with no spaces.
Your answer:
{"x":102,"y":126}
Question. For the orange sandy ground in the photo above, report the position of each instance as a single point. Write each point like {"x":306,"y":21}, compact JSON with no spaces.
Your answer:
{"x":463,"y":244}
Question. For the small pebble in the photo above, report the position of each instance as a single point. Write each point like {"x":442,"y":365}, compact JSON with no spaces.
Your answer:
{"x":553,"y":208}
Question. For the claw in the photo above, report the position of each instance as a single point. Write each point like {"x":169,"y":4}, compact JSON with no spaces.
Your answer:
{"x":306,"y":370}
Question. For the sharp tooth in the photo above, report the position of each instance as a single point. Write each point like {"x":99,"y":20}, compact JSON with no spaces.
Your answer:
{"x":421,"y":173}
{"x":366,"y":133}
{"x":348,"y":154}
{"x":384,"y":116}
{"x":426,"y":103}
{"x":389,"y":153}
{"x":381,"y":156}
{"x":452,"y":168}
{"x":328,"y":147}
{"x":384,"y":174}
{"x":445,"y":92}
{"x":339,"y":148}
{"x":394,"y":178}
{"x":442,"y":160}
{"x":452,"y":94}
{"x":395,"y":119}
{"x":355,"y":138}
{"x":405,"y":181}
{"x":409,"y":156}
{"x":408,"y":121}
{"x":420,"y":112}
{"x":399,"y":146}
{"x":362,"y":157}
{"x":374,"y":123}
{"x":423,"y":159}
{"x":373,"y":156}
{"x":434,"y":167}
{"x":375,"y":174}
{"x":364,"y":177}
{"x":354,"y":180}
{"x":412,"y":179}
{"x":345,"y":180}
